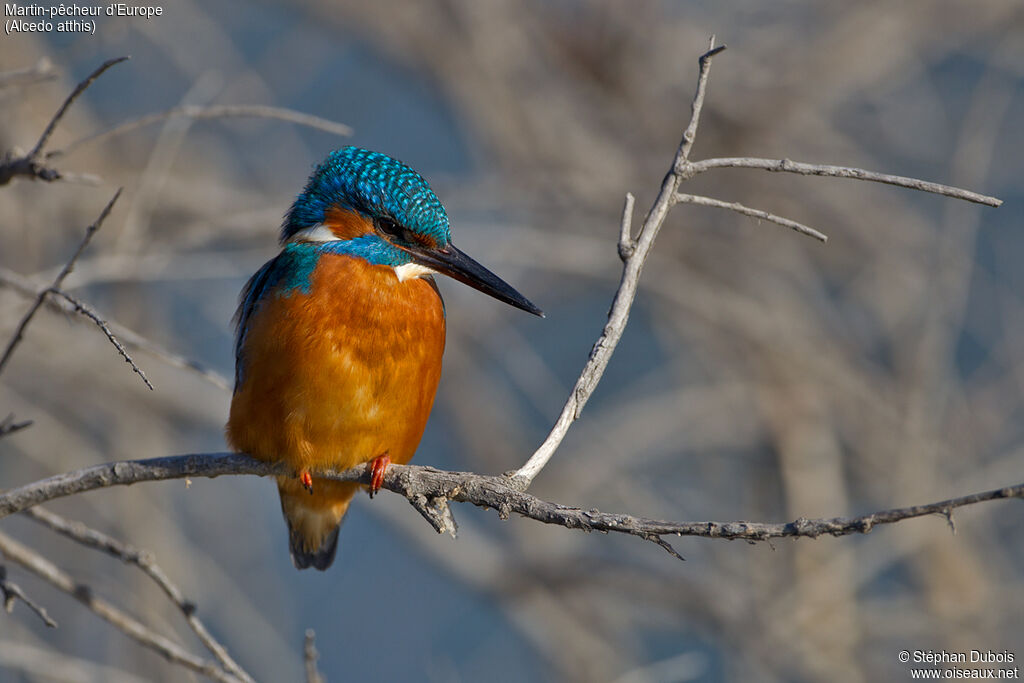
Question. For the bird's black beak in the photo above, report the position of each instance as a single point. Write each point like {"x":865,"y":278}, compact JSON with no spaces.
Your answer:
{"x":456,"y":264}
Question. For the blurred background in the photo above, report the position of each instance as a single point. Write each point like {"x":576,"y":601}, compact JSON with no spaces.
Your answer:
{"x":764,"y":376}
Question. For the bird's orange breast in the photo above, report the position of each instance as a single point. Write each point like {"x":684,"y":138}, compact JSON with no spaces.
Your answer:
{"x":342,"y":374}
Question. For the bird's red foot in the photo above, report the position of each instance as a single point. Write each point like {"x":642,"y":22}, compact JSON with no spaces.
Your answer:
{"x":378,"y":466}
{"x":307,"y":481}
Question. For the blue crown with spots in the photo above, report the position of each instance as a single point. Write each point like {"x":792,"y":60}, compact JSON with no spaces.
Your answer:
{"x":372,"y":184}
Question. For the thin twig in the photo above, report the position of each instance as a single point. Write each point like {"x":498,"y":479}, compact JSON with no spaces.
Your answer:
{"x":92,"y":315}
{"x":79,"y":89}
{"x":747,"y":211}
{"x":13,"y":163}
{"x":91,"y":538}
{"x":497,"y":493}
{"x":129,"y":337}
{"x":213,"y":112}
{"x":310,"y":655}
{"x":9,"y":426}
{"x":11,"y":592}
{"x":49,"y":572}
{"x":618,"y":316}
{"x":704,"y":68}
{"x":41,"y":297}
{"x":22,"y":285}
{"x":802,"y":168}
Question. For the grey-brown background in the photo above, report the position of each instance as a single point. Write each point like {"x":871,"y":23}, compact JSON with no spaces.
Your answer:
{"x":764,"y":376}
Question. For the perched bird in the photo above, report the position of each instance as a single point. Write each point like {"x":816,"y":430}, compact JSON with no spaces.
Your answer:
{"x":339,"y":338}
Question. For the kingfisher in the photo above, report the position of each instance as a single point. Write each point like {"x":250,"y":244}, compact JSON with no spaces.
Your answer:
{"x":339,"y":338}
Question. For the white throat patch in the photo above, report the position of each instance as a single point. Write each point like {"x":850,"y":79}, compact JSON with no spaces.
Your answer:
{"x":411,"y":271}
{"x":321,"y":233}
{"x":315,"y":233}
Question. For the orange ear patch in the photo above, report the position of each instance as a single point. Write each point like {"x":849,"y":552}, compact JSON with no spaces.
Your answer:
{"x":346,"y":224}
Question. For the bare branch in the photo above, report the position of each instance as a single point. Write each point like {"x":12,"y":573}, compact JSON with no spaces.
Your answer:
{"x":131,"y":338}
{"x":11,"y":592}
{"x":41,"y":297}
{"x":92,"y":315}
{"x":690,"y":134}
{"x":91,"y":538}
{"x":800,"y":168}
{"x":618,"y":316}
{"x":634,"y":254}
{"x":79,"y":89}
{"x":310,"y":655}
{"x":747,"y":211}
{"x":13,"y":163}
{"x":213,"y":112}
{"x":498,"y":493}
{"x":46,"y":570}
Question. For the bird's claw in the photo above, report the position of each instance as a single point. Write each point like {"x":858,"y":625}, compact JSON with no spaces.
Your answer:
{"x":307,"y":481}
{"x":378,"y":466}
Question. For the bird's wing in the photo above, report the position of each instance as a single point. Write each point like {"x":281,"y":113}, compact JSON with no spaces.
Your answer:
{"x":252,"y":294}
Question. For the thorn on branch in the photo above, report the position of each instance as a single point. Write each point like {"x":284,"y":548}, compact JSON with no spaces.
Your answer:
{"x":9,"y":426}
{"x":948,"y":513}
{"x":666,"y":545}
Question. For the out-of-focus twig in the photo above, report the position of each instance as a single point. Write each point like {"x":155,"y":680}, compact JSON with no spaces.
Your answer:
{"x":129,"y":337}
{"x":218,"y":111}
{"x":79,"y":89}
{"x":22,"y":555}
{"x":57,"y":282}
{"x":38,"y":663}
{"x":9,"y":426}
{"x":493,"y":492}
{"x":91,"y":538}
{"x":10,"y":592}
{"x":29,"y":165}
{"x":309,"y":656}
{"x":40,"y":71}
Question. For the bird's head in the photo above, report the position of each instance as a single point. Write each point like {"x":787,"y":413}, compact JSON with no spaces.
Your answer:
{"x":377,"y":208}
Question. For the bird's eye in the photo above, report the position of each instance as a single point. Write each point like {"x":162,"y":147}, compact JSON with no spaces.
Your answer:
{"x":390,"y":228}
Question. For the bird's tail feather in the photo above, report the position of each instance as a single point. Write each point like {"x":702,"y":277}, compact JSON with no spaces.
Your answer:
{"x":321,"y":558}
{"x":314,"y":519}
